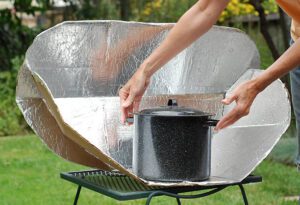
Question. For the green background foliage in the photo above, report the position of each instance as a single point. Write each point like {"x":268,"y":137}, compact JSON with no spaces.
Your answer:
{"x":11,"y":119}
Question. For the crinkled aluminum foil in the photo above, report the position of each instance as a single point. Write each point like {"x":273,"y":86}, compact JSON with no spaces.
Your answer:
{"x":68,"y":93}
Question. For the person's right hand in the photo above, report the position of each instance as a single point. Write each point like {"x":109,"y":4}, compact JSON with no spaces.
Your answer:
{"x":132,"y":92}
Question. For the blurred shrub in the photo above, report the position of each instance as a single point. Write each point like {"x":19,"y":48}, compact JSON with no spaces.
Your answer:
{"x":11,"y":119}
{"x":15,"y":38}
{"x":171,"y":10}
{"x":161,"y":10}
{"x":104,"y":9}
{"x":243,"y":7}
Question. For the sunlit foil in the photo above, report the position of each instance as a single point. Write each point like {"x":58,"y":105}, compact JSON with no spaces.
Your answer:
{"x":83,"y":64}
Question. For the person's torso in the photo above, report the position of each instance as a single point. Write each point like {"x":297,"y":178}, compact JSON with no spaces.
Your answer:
{"x":292,"y":8}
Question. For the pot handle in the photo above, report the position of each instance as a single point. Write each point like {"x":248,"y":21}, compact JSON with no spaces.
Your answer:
{"x":211,"y":122}
{"x":129,"y":120}
{"x":172,"y":102}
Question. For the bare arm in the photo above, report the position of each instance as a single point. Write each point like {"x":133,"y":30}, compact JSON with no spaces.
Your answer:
{"x":194,"y":23}
{"x":245,"y":94}
{"x":289,"y":60}
{"x":109,"y":59}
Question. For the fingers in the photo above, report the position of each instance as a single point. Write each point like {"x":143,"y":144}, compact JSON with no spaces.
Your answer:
{"x":129,"y":111}
{"x":123,"y":94}
{"x":136,"y":105}
{"x":231,"y":117}
{"x":128,"y":102}
{"x":238,"y":112}
{"x":123,"y":115}
{"x":229,"y":99}
{"x":226,"y":121}
{"x":131,"y":92}
{"x":127,"y":98}
{"x":244,"y":96}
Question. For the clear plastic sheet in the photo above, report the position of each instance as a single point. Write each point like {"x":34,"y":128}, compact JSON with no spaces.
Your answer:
{"x":79,"y":67}
{"x":239,"y":148}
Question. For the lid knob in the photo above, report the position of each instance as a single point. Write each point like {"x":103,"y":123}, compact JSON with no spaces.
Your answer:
{"x":172,"y":102}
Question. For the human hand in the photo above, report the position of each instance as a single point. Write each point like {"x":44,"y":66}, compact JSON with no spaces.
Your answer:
{"x":132,"y":92}
{"x":244,"y":96}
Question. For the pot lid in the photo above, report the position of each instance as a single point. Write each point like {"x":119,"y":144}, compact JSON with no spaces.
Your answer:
{"x":172,"y":109}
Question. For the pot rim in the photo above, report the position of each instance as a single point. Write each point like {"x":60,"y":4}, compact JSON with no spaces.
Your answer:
{"x":207,"y":115}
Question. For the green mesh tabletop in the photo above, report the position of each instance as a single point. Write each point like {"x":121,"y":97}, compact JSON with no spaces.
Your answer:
{"x":121,"y":187}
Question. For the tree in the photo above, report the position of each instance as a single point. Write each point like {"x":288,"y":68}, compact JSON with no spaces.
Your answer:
{"x":257,"y":4}
{"x":124,"y":9}
{"x":284,"y":28}
{"x":14,"y":36}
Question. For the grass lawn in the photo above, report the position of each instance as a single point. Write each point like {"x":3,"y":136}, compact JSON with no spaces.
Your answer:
{"x":29,"y":174}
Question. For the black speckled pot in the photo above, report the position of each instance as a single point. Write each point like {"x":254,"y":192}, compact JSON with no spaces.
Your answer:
{"x":172,"y":144}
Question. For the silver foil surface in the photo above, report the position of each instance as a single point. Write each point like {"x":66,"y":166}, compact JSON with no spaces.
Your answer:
{"x":68,"y":93}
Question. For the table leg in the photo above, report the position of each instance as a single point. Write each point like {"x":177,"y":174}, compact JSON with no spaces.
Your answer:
{"x":243,"y":194}
{"x":77,"y":195}
{"x":178,"y":197}
{"x":178,"y":201}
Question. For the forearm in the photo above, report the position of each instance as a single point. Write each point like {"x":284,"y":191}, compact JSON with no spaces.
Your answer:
{"x":135,"y":38}
{"x":194,"y":23}
{"x":287,"y":62}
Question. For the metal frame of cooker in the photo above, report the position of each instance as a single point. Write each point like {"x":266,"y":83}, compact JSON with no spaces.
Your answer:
{"x":123,"y":188}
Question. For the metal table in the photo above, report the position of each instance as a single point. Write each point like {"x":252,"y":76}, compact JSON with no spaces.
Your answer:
{"x":121,"y":187}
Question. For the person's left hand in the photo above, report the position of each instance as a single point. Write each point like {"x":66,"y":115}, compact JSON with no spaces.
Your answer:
{"x":244,"y":96}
